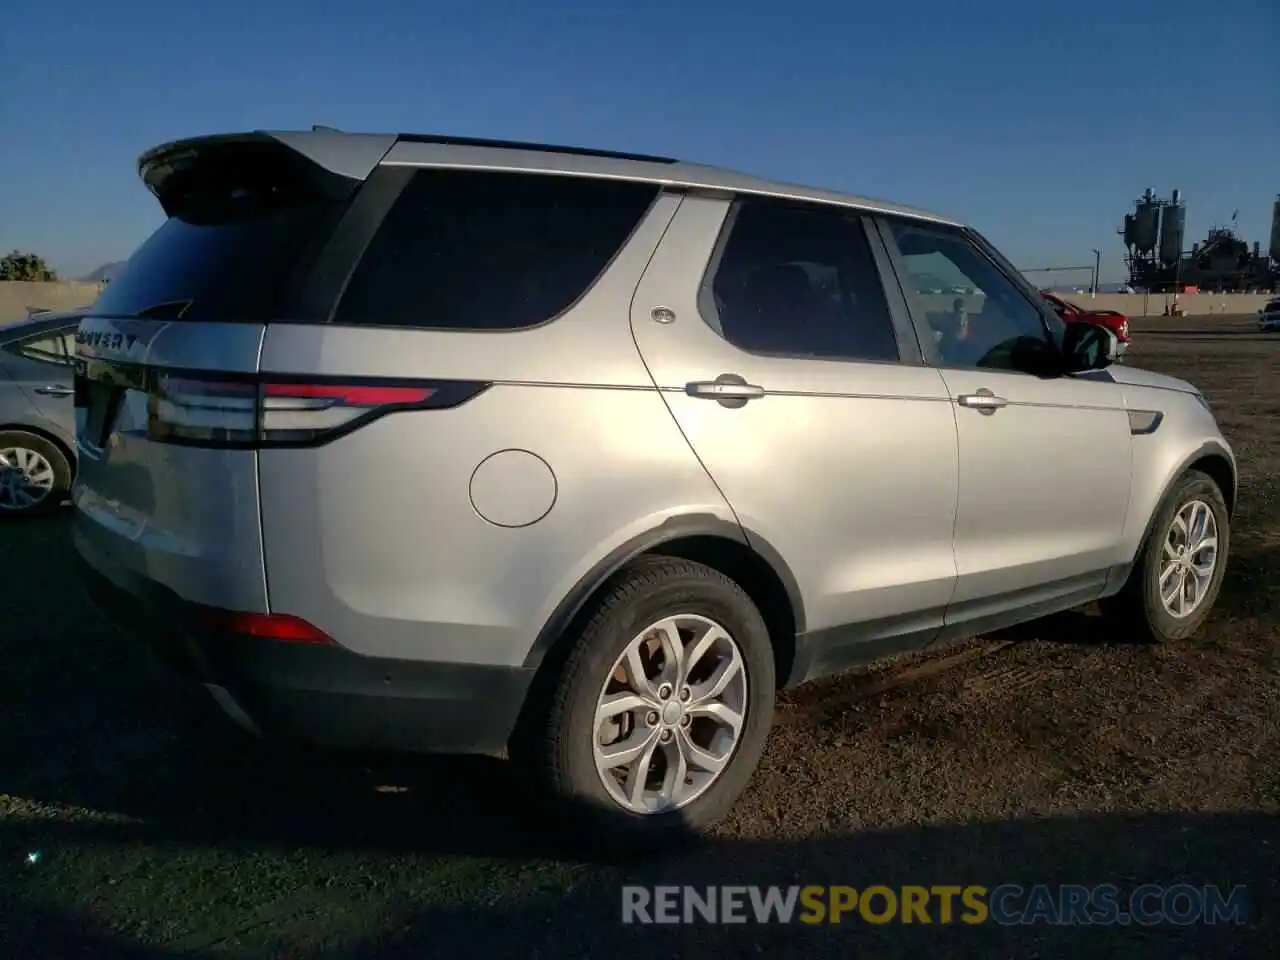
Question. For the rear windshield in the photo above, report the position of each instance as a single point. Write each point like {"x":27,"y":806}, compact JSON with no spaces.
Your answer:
{"x":239,"y":226}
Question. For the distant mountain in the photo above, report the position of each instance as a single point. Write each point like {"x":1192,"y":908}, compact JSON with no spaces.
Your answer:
{"x":104,"y":272}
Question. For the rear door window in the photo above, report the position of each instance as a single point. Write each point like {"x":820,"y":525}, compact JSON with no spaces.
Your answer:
{"x":799,"y":281}
{"x":476,"y":250}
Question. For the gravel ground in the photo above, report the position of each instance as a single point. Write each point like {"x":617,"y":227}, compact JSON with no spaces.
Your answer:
{"x":1051,"y":754}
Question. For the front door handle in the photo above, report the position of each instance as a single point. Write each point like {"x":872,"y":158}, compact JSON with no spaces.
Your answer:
{"x":982,"y":400}
{"x":728,"y":389}
{"x":54,"y":391}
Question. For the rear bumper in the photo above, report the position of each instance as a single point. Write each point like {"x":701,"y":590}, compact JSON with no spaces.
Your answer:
{"x":319,"y":694}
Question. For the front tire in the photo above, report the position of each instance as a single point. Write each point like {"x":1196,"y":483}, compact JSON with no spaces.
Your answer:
{"x":1179,"y":571}
{"x":659,"y":715}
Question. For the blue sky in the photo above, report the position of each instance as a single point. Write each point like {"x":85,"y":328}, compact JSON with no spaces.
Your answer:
{"x":1037,"y":121}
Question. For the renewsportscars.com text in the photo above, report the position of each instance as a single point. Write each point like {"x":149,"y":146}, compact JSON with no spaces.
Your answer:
{"x":1008,"y":904}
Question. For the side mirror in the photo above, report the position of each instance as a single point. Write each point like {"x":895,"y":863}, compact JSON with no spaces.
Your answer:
{"x":1088,"y":346}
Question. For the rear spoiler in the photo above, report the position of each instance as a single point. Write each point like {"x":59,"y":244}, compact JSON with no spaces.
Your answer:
{"x":338,"y":157}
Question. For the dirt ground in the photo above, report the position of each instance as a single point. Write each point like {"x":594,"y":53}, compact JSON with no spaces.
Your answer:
{"x":1052,"y":754}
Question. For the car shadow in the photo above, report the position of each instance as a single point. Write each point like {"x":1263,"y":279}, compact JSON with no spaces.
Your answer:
{"x":1225,"y":850}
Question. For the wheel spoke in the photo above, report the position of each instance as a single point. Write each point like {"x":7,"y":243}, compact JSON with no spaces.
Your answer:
{"x":677,"y":772}
{"x":622,"y":702}
{"x":1195,"y":525}
{"x":699,"y":649}
{"x":1203,"y":567}
{"x":723,"y":714}
{"x":634,"y":670}
{"x":629,"y":750}
{"x":673,"y":665}
{"x":717,"y":683}
{"x":638,"y":774}
{"x":699,"y":758}
{"x":1208,"y":543}
{"x":1201,"y":581}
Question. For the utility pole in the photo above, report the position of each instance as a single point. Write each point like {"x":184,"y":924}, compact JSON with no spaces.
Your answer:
{"x":1097,"y":267}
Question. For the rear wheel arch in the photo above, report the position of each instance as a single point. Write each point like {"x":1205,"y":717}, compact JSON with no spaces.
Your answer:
{"x":747,"y":559}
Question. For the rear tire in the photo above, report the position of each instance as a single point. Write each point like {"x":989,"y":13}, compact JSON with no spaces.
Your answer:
{"x":1141,"y":609}
{"x":565,"y":739}
{"x":36,"y":459}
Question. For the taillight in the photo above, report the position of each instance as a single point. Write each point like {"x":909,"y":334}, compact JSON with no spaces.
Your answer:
{"x":202,"y":411}
{"x":271,"y":411}
{"x":267,"y":626}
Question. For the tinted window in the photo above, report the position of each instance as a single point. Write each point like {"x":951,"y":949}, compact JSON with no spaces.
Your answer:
{"x":993,"y":327}
{"x":469,"y":250}
{"x":799,"y":281}
{"x":239,"y":223}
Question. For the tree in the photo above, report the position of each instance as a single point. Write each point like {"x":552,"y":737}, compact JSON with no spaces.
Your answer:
{"x":17,"y":265}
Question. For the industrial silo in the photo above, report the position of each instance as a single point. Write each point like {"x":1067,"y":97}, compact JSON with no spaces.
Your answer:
{"x":1173,"y":226}
{"x":1146,"y":223}
{"x":1128,"y":231}
{"x":1274,"y":249}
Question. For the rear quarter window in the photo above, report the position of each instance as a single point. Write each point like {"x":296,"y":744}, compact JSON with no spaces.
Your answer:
{"x":473,"y":250}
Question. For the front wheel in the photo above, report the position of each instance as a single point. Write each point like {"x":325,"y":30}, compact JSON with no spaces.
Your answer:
{"x":659,"y":715}
{"x":1179,"y":571}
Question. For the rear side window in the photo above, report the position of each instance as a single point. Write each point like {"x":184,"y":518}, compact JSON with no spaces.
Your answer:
{"x":57,"y":347}
{"x":799,"y":281}
{"x":472,"y":250}
{"x":239,"y":223}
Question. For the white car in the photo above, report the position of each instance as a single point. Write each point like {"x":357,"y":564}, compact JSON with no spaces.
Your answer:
{"x":1269,"y":316}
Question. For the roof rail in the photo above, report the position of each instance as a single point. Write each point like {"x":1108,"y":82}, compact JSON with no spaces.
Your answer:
{"x":538,"y":147}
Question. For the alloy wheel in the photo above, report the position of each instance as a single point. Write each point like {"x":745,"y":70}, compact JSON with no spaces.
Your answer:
{"x":670,"y":714}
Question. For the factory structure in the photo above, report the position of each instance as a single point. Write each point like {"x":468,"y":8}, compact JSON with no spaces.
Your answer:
{"x":1158,"y":261}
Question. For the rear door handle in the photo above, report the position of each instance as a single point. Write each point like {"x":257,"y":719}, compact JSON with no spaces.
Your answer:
{"x":982,"y":400}
{"x":728,"y":389}
{"x":54,"y":391}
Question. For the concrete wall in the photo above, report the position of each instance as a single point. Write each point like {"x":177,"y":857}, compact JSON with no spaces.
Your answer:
{"x":1130,"y":304}
{"x":16,"y":296}
{"x":1153,"y":305}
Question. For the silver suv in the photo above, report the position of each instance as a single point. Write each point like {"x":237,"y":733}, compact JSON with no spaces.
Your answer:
{"x":424,"y":443}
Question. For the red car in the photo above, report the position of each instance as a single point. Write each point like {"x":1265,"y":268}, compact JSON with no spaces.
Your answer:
{"x":1113,"y":320}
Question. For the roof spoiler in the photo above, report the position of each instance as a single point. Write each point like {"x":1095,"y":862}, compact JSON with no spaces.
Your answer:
{"x":350,"y":157}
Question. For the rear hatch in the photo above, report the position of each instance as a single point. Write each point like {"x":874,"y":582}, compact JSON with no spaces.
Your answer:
{"x":168,"y":403}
